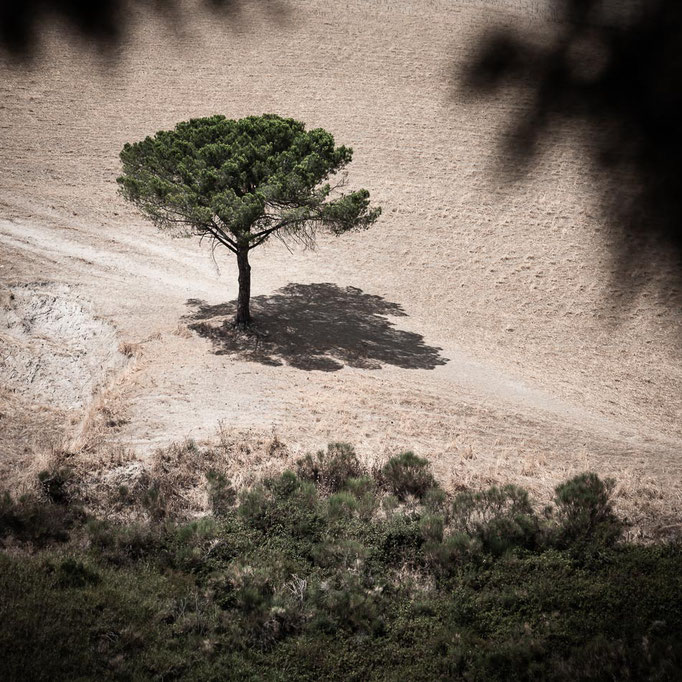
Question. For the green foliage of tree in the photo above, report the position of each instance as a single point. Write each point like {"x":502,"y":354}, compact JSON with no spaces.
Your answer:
{"x":239,"y":182}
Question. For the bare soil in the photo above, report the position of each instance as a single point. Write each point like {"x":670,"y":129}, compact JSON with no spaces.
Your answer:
{"x":478,"y":323}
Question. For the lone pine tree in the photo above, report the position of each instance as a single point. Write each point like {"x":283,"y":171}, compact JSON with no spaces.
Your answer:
{"x":239,"y":182}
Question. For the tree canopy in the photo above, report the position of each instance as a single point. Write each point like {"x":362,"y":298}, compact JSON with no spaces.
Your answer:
{"x":241,"y":181}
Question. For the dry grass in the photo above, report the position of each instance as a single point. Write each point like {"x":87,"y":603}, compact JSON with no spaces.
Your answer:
{"x":241,"y":457}
{"x":178,"y":473}
{"x":25,"y":430}
{"x":129,"y":349}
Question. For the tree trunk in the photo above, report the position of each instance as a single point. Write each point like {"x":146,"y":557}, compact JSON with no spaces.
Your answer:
{"x":243,"y":317}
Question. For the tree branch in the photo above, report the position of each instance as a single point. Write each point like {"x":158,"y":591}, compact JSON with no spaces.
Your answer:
{"x":220,"y":236}
{"x":260,"y":237}
{"x":227,"y":239}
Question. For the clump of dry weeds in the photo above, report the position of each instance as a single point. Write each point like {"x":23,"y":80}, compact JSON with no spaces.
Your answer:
{"x":114,"y":482}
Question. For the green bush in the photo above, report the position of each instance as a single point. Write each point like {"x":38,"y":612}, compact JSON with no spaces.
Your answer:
{"x":73,"y":573}
{"x":188,"y":546}
{"x":55,"y":484}
{"x":406,"y":474}
{"x":436,"y":501}
{"x":121,"y":545}
{"x":331,"y":469}
{"x":447,"y":556}
{"x":432,"y":528}
{"x":344,"y":553}
{"x":585,"y":511}
{"x":399,"y":540}
{"x":154,"y":502}
{"x":500,"y":518}
{"x":345,"y":603}
{"x":32,"y":520}
{"x":261,"y":609}
{"x":365,"y":492}
{"x":256,"y":507}
{"x":221,"y":495}
{"x":341,"y":505}
{"x":285,"y":506}
{"x":361,"y":486}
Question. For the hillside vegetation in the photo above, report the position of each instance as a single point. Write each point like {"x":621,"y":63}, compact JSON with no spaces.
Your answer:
{"x":333,"y":571}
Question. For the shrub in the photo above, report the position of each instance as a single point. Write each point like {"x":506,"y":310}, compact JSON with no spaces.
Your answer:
{"x":364,"y":491}
{"x":284,"y":506}
{"x":74,"y":573}
{"x":435,"y":500}
{"x":341,"y":505}
{"x":344,"y":603}
{"x":121,"y":545}
{"x":187,"y":546}
{"x":297,"y":584}
{"x":344,"y":554}
{"x":331,"y":469}
{"x":361,"y":486}
{"x":221,"y":495}
{"x":446,"y":556}
{"x":259,"y":607}
{"x":285,"y":486}
{"x":400,"y":540}
{"x":154,"y":502}
{"x":585,"y":511}
{"x":432,"y":528}
{"x":54,"y":484}
{"x":255,"y":507}
{"x":500,"y":518}
{"x":35,"y":521}
{"x":406,"y":474}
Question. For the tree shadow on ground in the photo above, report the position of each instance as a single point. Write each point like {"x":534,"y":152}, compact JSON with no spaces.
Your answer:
{"x":315,"y":326}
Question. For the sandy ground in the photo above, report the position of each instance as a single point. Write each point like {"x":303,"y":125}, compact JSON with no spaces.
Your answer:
{"x":479,"y":323}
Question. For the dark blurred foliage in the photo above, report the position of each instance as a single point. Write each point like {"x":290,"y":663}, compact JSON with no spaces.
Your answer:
{"x":102,"y":23}
{"x":617,"y":69}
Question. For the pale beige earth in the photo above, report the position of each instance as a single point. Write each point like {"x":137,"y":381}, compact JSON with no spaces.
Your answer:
{"x":535,"y":362}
